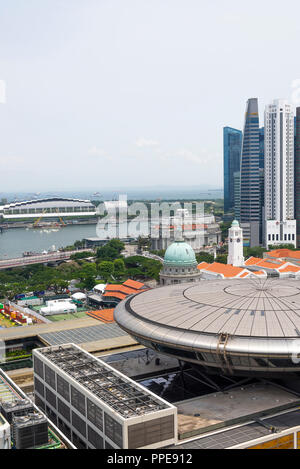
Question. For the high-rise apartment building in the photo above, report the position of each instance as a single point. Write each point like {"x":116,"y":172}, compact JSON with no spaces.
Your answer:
{"x":297,"y":174}
{"x":280,"y":225}
{"x":232,"y":142}
{"x":250,"y":201}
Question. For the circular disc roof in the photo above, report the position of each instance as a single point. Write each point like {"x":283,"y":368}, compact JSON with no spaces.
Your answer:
{"x":180,"y":254}
{"x":250,"y":308}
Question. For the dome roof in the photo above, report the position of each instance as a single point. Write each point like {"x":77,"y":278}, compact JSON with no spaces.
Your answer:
{"x":235,"y":223}
{"x":180,"y":253}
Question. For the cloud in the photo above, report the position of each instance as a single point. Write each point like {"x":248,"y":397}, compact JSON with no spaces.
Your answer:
{"x":2,"y":92}
{"x":98,"y":152}
{"x":144,"y":142}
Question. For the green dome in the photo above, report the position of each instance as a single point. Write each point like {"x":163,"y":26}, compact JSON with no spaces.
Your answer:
{"x":179,"y":254}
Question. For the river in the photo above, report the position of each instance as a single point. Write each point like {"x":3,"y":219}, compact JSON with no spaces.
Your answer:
{"x":15,"y":241}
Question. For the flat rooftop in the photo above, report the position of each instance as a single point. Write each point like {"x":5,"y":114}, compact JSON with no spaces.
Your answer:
{"x":240,"y":404}
{"x":230,"y":437}
{"x":121,"y":394}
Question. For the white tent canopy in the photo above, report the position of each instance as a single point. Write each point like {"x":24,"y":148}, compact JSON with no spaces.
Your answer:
{"x":99,"y":288}
{"x":78,"y":296}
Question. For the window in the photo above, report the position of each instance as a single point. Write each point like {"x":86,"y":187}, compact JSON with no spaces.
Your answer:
{"x":50,"y":377}
{"x":95,"y":439}
{"x":78,"y":400}
{"x":39,"y":367}
{"x":50,"y":397}
{"x":63,"y":409}
{"x":79,"y":424}
{"x":39,"y":387}
{"x":63,"y":388}
{"x":95,"y":414}
{"x":113,"y":430}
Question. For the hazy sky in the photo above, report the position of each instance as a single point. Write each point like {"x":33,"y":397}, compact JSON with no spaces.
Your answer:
{"x":109,"y":93}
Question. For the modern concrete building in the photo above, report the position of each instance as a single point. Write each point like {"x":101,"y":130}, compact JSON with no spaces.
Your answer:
{"x":180,"y":264}
{"x":250,"y":206}
{"x":279,"y":223}
{"x":232,"y":146}
{"x":96,"y":406}
{"x":297,"y":174}
{"x":234,"y":327}
{"x":48,"y":208}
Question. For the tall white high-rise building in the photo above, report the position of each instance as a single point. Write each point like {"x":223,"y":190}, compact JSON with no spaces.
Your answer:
{"x":280,"y":225}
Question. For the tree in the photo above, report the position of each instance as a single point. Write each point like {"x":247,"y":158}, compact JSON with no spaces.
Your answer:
{"x":119,"y":268}
{"x":106,"y":270}
{"x":204,"y":257}
{"x":222,"y":258}
{"x":110,"y":251}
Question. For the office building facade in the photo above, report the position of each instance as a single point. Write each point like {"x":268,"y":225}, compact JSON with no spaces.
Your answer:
{"x":96,"y":406}
{"x":232,"y":145}
{"x":250,"y":199}
{"x":280,"y":223}
{"x":297,"y":174}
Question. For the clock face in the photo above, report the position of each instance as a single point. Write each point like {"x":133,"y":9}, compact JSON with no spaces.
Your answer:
{"x":238,"y":240}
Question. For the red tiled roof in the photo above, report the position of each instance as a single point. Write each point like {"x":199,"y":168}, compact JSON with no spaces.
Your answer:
{"x":290,"y":268}
{"x":103,"y":315}
{"x":116,"y":294}
{"x":284,"y":253}
{"x":253,"y":260}
{"x":134,"y":284}
{"x":227,"y":270}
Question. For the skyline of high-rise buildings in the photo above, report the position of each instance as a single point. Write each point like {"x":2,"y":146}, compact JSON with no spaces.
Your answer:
{"x":265,"y":189}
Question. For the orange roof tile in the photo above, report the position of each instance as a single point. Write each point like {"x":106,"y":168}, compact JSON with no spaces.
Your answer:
{"x":290,"y":268}
{"x":120,"y":288}
{"x":116,"y":294}
{"x":202,"y":265}
{"x":253,"y":260}
{"x":104,"y":315}
{"x":259,"y":272}
{"x":227,"y":270}
{"x":134,"y":284}
{"x":284,"y":253}
{"x":269,"y":265}
{"x":244,"y":274}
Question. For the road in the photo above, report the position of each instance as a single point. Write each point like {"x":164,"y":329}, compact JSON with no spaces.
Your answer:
{"x":40,"y":259}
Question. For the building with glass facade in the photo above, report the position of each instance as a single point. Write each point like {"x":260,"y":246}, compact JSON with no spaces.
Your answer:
{"x":297,"y":174}
{"x":232,"y":144}
{"x":250,"y":205}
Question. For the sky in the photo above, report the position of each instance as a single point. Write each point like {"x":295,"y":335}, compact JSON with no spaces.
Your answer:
{"x":135,"y":93}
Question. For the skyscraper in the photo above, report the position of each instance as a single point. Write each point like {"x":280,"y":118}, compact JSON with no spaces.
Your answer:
{"x":250,"y":206}
{"x":280,"y":225}
{"x":232,"y":142}
{"x":297,"y":175}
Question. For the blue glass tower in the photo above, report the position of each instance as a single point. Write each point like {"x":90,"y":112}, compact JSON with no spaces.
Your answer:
{"x":251,"y":207}
{"x":232,"y":144}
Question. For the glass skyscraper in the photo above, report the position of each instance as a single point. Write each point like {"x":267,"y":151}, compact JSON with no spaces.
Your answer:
{"x":251,"y":208}
{"x":232,"y":142}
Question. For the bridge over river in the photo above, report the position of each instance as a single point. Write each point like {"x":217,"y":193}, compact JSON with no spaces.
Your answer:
{"x":40,"y":259}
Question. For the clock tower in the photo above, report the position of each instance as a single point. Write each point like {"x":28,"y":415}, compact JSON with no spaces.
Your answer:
{"x":235,"y":245}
